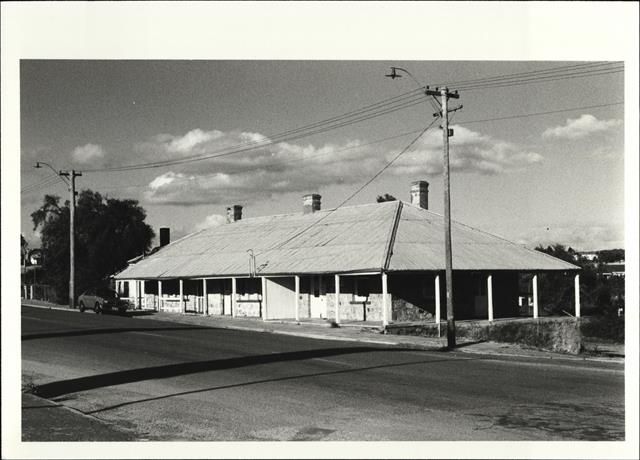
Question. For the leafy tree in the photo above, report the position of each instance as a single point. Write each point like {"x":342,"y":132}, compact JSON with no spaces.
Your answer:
{"x":597,"y":293}
{"x":108,"y":233}
{"x":24,"y":250}
{"x":610,"y":255}
{"x":385,"y":197}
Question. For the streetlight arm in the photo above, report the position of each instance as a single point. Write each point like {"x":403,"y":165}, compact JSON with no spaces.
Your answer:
{"x":38,"y":166}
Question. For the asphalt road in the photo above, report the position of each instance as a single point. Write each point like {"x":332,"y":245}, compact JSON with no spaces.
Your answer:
{"x":169,"y":381}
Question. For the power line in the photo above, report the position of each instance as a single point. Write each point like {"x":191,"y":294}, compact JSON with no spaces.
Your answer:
{"x":46,"y":182}
{"x":358,"y":190}
{"x":378,"y":109}
{"x":377,"y":141}
{"x":558,"y":69}
{"x":548,"y":78}
{"x":295,"y":160}
{"x":372,"y":111}
{"x":524,"y":115}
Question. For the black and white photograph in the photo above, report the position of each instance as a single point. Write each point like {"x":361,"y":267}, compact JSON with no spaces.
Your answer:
{"x":257,"y":248}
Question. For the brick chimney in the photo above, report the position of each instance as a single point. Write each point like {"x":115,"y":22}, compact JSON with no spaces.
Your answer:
{"x":234,"y":213}
{"x":420,"y":194}
{"x":165,"y":237}
{"x":310,"y":203}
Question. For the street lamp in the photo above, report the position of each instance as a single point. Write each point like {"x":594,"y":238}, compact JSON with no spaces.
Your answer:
{"x":444,"y":114}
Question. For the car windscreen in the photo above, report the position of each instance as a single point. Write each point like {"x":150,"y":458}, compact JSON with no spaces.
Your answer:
{"x":107,"y":294}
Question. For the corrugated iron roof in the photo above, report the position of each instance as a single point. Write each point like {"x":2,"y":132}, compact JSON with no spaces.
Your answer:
{"x":349,"y":239}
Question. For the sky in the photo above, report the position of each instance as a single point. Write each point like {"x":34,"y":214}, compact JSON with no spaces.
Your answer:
{"x":539,"y":179}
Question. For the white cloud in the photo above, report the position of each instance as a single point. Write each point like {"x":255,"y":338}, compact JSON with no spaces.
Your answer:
{"x":164,"y":179}
{"x":470,"y":152}
{"x":191,"y":140}
{"x":210,"y":221}
{"x":286,"y":167}
{"x":88,"y":153}
{"x":581,"y":127}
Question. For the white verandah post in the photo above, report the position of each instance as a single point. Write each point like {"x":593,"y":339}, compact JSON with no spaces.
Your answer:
{"x":385,"y":303}
{"x":159,"y":295}
{"x":143,"y":300}
{"x":337,"y":289}
{"x":205,"y":297}
{"x":233,"y":297}
{"x":182,"y":302}
{"x":297,"y":303}
{"x":577,"y":290}
{"x":534,"y":282}
{"x":437,"y":294}
{"x":490,"y":297}
{"x":263,"y":311}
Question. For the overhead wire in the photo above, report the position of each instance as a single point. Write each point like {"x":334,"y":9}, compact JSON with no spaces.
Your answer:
{"x":558,"y":69}
{"x":358,"y":190}
{"x":46,"y":182}
{"x":378,"y":109}
{"x":383,"y":107}
{"x":384,"y":139}
{"x":539,"y":79}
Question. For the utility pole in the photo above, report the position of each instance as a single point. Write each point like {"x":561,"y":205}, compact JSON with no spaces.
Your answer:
{"x":445,"y":95}
{"x":72,"y":203}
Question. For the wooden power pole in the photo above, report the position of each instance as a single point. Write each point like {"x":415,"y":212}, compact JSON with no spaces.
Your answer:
{"x":446,"y":133}
{"x":72,"y":232}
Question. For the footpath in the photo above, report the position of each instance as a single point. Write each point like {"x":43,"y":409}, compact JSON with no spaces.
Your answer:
{"x":354,"y":332}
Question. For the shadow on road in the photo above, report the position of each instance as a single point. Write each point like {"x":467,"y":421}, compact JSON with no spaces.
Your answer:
{"x":112,"y":330}
{"x":279,"y":379}
{"x":62,"y":387}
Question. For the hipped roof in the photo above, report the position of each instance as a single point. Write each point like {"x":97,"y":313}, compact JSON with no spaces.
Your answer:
{"x":390,"y":236}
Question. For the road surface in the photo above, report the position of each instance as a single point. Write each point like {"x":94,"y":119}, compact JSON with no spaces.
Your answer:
{"x":170,"y":381}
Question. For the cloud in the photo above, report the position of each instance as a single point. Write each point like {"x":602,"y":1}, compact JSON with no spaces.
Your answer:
{"x":89,"y":153}
{"x":210,"y":221}
{"x":270,"y":168}
{"x":581,"y":127}
{"x":582,"y":237}
{"x":470,"y":152}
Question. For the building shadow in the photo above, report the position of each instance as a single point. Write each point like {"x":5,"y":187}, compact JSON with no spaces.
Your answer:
{"x":112,"y":330}
{"x":278,"y":379}
{"x":62,"y":387}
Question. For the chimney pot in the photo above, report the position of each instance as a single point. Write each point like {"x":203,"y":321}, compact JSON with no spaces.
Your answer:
{"x":420,"y":194}
{"x":234,"y":213}
{"x":311,"y":203}
{"x":165,"y":236}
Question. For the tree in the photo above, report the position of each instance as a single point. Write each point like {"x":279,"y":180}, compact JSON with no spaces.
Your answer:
{"x":24,"y":250}
{"x":385,"y":197}
{"x":597,"y":293}
{"x":610,"y":255}
{"x":108,"y":233}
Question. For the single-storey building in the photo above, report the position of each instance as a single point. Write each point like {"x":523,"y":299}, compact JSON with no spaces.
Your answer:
{"x":373,"y":262}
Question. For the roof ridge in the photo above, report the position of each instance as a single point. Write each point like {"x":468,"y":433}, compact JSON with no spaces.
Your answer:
{"x":391,"y":237}
{"x":302,"y":214}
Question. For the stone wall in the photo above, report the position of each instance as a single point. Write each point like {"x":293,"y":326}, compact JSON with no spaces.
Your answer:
{"x":351,"y":310}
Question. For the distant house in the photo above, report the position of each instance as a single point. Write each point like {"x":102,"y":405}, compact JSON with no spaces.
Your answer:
{"x":613,"y":269}
{"x":374,"y":262}
{"x":590,"y":256}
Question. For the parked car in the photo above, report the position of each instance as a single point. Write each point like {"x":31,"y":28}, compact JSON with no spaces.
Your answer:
{"x":101,"y":300}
